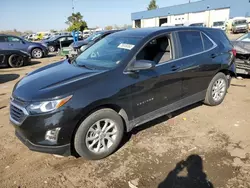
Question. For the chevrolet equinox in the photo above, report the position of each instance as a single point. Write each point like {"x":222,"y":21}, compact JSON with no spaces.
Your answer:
{"x":86,"y":104}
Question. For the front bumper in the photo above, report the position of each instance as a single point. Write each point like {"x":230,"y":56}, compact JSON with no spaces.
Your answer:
{"x":32,"y":129}
{"x":241,"y":30}
{"x":59,"y":150}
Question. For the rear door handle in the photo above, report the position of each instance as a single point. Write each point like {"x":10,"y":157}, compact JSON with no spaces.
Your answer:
{"x":213,"y":55}
{"x":175,"y":68}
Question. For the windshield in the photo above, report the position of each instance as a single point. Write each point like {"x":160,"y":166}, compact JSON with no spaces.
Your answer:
{"x":218,"y":23}
{"x":107,"y":53}
{"x":53,"y":38}
{"x":93,"y":37}
{"x":240,"y":22}
{"x":245,"y":37}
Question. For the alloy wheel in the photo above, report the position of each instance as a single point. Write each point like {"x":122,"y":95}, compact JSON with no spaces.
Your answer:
{"x":101,"y":136}
{"x":219,"y":89}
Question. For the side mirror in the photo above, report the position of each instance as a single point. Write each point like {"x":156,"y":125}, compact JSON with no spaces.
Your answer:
{"x":23,"y":42}
{"x":141,"y":65}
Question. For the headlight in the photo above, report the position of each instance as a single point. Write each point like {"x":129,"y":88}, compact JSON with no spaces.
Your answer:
{"x":47,"y":106}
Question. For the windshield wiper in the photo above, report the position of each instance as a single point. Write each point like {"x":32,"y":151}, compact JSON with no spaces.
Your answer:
{"x":74,"y":62}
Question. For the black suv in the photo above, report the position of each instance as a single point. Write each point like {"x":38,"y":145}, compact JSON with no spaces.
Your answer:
{"x":56,"y":42}
{"x":122,"y":81}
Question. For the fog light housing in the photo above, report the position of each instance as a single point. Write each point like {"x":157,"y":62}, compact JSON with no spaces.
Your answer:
{"x":52,"y":134}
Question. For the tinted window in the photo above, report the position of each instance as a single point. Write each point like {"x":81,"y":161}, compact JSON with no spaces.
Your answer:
{"x":2,"y":39}
{"x":13,"y":39}
{"x":191,"y":42}
{"x":221,"y":36}
{"x":70,"y":38}
{"x":107,"y":53}
{"x":62,"y":39}
{"x":207,"y":42}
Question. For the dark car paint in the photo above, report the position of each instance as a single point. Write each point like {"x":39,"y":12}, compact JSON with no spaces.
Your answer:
{"x":26,"y":46}
{"x":56,"y":43}
{"x":138,"y":97}
{"x":5,"y":54}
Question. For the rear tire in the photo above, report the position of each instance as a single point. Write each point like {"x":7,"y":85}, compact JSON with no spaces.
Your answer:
{"x":216,"y":90}
{"x":99,"y":134}
{"x":16,"y":61}
{"x":51,"y":48}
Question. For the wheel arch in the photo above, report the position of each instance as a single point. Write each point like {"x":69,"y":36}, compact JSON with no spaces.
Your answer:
{"x":34,"y":47}
{"x":227,"y":72}
{"x":92,"y":109}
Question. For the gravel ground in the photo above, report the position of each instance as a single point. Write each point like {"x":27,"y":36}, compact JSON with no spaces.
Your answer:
{"x":216,"y":139}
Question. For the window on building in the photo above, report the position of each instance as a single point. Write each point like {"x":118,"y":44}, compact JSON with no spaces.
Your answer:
{"x":191,"y":42}
{"x":162,"y":21}
{"x":137,"y":23}
{"x":207,"y":42}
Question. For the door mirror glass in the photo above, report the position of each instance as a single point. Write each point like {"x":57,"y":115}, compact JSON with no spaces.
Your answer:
{"x":142,"y":65}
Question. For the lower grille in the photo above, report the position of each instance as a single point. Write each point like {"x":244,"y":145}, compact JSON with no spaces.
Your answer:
{"x":17,"y":114}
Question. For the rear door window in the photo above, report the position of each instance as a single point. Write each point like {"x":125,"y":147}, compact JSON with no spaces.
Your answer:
{"x":190,"y":42}
{"x":13,"y":39}
{"x":3,"y":39}
{"x":207,"y":42}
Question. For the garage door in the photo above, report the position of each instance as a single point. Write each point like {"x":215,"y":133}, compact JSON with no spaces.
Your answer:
{"x":220,"y":14}
{"x":197,"y":17}
{"x":149,"y":22}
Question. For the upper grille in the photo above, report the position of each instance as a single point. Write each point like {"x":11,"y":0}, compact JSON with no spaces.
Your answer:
{"x":17,"y":113}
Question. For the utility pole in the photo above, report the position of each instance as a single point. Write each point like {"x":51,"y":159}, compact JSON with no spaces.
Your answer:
{"x":73,"y":6}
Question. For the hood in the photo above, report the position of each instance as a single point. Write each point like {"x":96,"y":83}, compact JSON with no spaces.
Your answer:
{"x":52,"y":81}
{"x":79,"y":43}
{"x":241,"y":47}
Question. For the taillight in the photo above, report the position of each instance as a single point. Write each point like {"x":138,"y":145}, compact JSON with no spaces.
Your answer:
{"x":234,"y":52}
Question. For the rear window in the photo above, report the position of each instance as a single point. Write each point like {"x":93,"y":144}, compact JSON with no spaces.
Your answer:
{"x":207,"y":42}
{"x":221,"y":36}
{"x":191,"y":42}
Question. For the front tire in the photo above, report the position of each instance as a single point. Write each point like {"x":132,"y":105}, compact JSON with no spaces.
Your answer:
{"x":16,"y":61}
{"x":217,"y":90}
{"x":99,"y":134}
{"x":37,"y":53}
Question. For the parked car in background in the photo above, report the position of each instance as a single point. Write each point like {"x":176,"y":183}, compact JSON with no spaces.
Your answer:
{"x":14,"y":58}
{"x":46,"y":36}
{"x":10,"y":42}
{"x":242,"y":47}
{"x":237,"y":25}
{"x":219,"y":25}
{"x":121,"y":82}
{"x":84,"y":44}
{"x":54,"y":43}
{"x":86,"y":34}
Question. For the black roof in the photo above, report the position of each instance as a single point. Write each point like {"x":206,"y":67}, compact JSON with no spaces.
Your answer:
{"x":108,"y":31}
{"x":144,"y":32}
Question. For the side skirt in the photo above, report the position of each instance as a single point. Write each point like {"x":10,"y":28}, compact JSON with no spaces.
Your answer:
{"x":167,"y":109}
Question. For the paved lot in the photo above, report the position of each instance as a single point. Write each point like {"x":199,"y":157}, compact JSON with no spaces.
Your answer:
{"x":219,"y":135}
